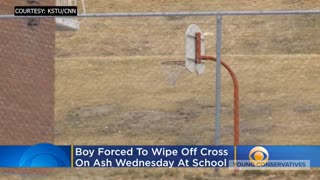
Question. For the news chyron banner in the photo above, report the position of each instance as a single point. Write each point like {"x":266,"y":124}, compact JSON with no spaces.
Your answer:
{"x":239,"y":157}
{"x":153,"y":156}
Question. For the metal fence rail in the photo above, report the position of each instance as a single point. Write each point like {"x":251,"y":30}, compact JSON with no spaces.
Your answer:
{"x":66,"y":2}
{"x":208,"y":13}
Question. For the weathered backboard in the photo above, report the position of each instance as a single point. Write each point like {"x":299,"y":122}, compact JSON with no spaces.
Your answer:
{"x":191,"y":50}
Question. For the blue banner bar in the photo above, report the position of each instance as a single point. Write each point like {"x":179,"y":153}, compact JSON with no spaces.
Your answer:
{"x":241,"y":157}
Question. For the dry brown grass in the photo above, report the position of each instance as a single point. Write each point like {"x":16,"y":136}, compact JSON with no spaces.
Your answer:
{"x":128,"y":100}
{"x":129,"y":97}
{"x":161,"y":36}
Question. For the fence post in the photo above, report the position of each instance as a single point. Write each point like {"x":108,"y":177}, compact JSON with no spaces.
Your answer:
{"x":218,"y":79}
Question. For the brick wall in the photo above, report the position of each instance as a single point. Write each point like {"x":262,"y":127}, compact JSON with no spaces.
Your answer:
{"x":26,"y":78}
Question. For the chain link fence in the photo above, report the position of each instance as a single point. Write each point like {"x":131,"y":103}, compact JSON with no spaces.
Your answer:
{"x":275,"y":59}
{"x":132,"y":70}
{"x":121,"y":81}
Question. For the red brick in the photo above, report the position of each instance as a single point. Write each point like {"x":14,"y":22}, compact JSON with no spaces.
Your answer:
{"x":26,"y":80}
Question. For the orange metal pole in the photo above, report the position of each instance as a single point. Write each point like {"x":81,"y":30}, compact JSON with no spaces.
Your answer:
{"x":198,"y":47}
{"x":199,"y":57}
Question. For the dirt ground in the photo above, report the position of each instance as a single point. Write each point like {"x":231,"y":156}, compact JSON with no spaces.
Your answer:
{"x":111,"y":86}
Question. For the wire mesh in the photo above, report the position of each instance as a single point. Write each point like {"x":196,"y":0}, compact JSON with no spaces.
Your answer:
{"x":271,"y":57}
{"x":274,"y":59}
{"x":153,"y":100}
{"x":138,"y":68}
{"x":117,"y":81}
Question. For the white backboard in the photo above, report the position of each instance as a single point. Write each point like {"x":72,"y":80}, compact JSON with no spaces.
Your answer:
{"x":191,"y":50}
